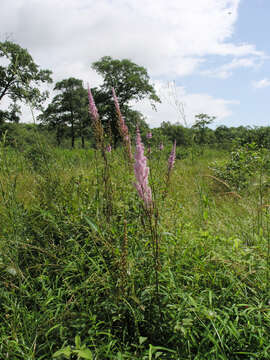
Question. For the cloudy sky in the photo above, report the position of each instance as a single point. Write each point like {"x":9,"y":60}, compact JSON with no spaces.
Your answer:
{"x":210,"y":56}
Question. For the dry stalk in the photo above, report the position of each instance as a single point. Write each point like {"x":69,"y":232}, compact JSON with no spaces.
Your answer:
{"x":218,"y":180}
{"x":123,"y":260}
{"x":233,"y":193}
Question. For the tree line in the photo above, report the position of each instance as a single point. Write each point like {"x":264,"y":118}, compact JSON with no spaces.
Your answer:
{"x":67,"y":115}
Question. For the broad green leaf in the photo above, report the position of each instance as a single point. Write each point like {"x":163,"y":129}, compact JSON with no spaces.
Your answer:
{"x":65,"y":352}
{"x":84,"y":354}
{"x":77,"y":341}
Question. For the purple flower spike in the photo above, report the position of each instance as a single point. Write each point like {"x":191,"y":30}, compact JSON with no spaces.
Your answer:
{"x":149,"y":135}
{"x":161,"y":146}
{"x":122,"y":126}
{"x":109,"y":148}
{"x":141,"y":173}
{"x":92,"y":106}
{"x":172,"y":157}
{"x":97,"y":126}
{"x":116,"y":101}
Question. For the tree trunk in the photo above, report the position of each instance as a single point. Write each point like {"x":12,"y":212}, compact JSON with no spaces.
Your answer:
{"x":83,"y":144}
{"x":72,"y":135}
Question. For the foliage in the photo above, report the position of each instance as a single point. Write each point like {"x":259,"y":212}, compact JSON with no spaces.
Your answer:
{"x":242,"y":166}
{"x":68,"y":109}
{"x":22,"y":136}
{"x":202,"y":120}
{"x":176,"y":132}
{"x":67,"y":274}
{"x":131,"y":83}
{"x":186,"y":276}
{"x":20,"y":78}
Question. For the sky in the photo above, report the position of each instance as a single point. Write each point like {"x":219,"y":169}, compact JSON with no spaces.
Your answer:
{"x":202,"y":56}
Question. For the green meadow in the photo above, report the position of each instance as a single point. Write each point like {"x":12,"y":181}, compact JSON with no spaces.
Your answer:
{"x":87,"y":272}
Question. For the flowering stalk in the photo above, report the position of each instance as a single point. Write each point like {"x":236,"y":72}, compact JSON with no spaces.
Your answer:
{"x":141,"y":173}
{"x":171,"y":162}
{"x":122,"y":127}
{"x":97,"y":126}
{"x":99,"y":135}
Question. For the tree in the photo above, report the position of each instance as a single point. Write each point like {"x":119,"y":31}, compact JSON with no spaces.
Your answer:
{"x":20,"y":77}
{"x":202,"y":120}
{"x":55,"y":119}
{"x":68,"y":108}
{"x":130,"y":81}
{"x":11,"y":115}
{"x":223,"y":135}
{"x":176,"y":132}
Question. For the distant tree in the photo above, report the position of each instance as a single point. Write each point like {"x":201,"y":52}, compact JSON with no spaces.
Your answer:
{"x":131,"y":83}
{"x":176,"y":132}
{"x":223,"y":135}
{"x":55,"y":119}
{"x":202,"y":120}
{"x":11,"y":115}
{"x":20,"y":78}
{"x":262,"y":136}
{"x":68,"y":108}
{"x":134,"y":118}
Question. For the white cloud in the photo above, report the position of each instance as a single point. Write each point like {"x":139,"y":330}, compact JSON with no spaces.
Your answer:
{"x":176,"y":98}
{"x":170,"y":38}
{"x":261,"y":83}
{"x":225,"y":71}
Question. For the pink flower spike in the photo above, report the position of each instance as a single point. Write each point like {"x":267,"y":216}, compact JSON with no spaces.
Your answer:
{"x":141,"y":173}
{"x":149,"y":135}
{"x":122,"y":126}
{"x":116,"y":101}
{"x":172,"y":157}
{"x":109,"y":148}
{"x":92,"y":106}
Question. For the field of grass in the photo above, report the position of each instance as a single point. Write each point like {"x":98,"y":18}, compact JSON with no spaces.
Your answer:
{"x":79,"y":275}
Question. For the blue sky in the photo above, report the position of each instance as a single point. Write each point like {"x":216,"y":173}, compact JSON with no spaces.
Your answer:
{"x":210,"y":56}
{"x":252,"y":26}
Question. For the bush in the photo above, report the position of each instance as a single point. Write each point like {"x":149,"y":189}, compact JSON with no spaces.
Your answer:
{"x":244,"y":163}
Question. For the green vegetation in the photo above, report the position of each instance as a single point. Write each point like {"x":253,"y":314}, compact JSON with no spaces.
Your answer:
{"x":176,"y":267}
{"x":69,"y":108}
{"x":131,"y":82}
{"x":75,"y":285}
{"x":20,"y":78}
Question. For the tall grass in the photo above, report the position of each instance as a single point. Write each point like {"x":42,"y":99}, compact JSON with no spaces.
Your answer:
{"x":75,"y":285}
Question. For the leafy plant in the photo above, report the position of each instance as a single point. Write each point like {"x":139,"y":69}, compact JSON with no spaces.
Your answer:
{"x":244,"y":163}
{"x":80,"y":351}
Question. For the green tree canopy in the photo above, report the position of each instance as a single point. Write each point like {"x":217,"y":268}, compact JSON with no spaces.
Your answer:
{"x":130,"y":81}
{"x":69,"y":108}
{"x":20,"y":77}
{"x":202,"y":120}
{"x":176,"y":132}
